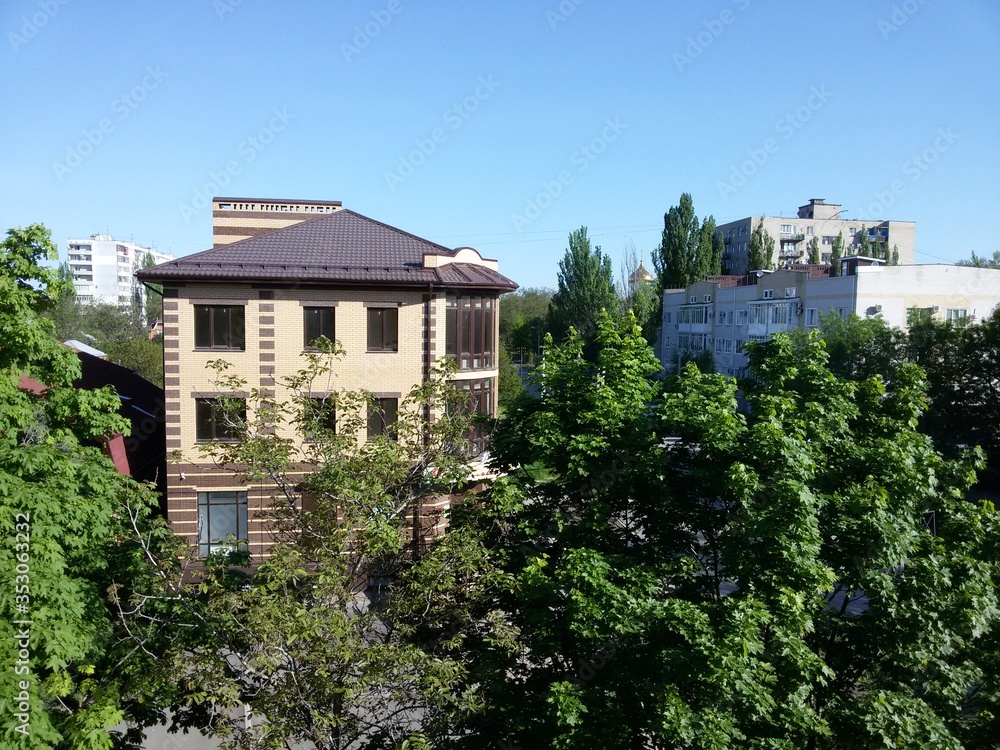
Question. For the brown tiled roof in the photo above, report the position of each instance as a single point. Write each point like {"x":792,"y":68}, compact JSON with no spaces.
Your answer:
{"x":341,"y":247}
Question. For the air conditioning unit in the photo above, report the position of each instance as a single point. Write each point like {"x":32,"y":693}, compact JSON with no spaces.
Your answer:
{"x":711,"y":314}
{"x":936,"y":308}
{"x":878,"y":308}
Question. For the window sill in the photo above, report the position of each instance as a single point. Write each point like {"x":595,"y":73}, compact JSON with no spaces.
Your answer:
{"x":219,"y":349}
{"x":214,"y":441}
{"x":383,"y":351}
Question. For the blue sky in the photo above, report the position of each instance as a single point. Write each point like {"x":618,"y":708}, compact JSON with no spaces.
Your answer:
{"x":502,"y":126}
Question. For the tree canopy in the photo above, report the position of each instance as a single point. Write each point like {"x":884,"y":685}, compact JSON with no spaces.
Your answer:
{"x":71,"y":524}
{"x":585,"y":288}
{"x":659,"y":569}
{"x":760,"y":253}
{"x":689,"y":250}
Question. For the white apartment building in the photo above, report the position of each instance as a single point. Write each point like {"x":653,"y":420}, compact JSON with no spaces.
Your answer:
{"x":724,"y":312}
{"x":103,"y":268}
{"x":817,"y":219}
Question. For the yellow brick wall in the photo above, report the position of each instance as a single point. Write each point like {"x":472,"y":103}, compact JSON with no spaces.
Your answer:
{"x":186,"y":372}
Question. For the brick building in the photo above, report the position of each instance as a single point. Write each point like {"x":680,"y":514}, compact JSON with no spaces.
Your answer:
{"x":396,"y":302}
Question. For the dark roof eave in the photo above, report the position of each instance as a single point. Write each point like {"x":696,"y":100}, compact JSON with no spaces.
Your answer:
{"x":501,"y":286}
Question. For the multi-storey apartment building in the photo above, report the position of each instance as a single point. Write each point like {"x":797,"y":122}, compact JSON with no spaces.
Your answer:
{"x":103,"y":268}
{"x":396,"y":302}
{"x":822,"y":221}
{"x":724,"y":312}
{"x":235,"y":219}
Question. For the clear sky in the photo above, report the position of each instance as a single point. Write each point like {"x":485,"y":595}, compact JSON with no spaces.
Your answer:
{"x":502,"y":126}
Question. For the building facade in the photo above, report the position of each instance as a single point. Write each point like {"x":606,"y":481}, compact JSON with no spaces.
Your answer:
{"x":823,"y":221}
{"x":235,"y":219}
{"x":103,"y":269}
{"x":395,"y":302}
{"x":722,"y":313}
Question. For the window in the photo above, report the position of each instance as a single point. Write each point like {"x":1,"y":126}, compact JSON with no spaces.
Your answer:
{"x":319,"y":419}
{"x":758,"y":315}
{"x":812,"y":317}
{"x":666,"y":318}
{"x":219,"y":327}
{"x":768,"y":294}
{"x":221,"y":517}
{"x":787,"y":229}
{"x":478,"y":403}
{"x":741,"y":317}
{"x":779,"y":314}
{"x":469,"y":334}
{"x":789,"y":291}
{"x":954,"y":315}
{"x":382,"y":414}
{"x":694,"y":299}
{"x":218,"y":419}
{"x":318,"y":321}
{"x":809,"y":231}
{"x":383,"y":329}
{"x":707,"y":298}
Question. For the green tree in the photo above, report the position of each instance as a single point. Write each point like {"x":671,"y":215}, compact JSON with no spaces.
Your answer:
{"x":760,"y":253}
{"x":982,"y":262}
{"x":639,"y":296}
{"x":682,"y":575}
{"x":866,"y":245}
{"x":509,"y":385}
{"x":71,"y":525}
{"x":837,"y":253}
{"x":961,"y":362}
{"x":118,"y":330}
{"x":305,"y":641}
{"x":523,"y":319}
{"x":814,"y":256}
{"x":153,"y":295}
{"x":894,"y":259}
{"x":689,"y":250}
{"x":585,"y":288}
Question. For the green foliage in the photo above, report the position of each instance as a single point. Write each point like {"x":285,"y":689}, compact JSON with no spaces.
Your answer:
{"x":71,"y":526}
{"x":760,"y":253}
{"x":837,"y":253}
{"x":981,"y":261}
{"x":523,"y":321}
{"x":960,"y":362}
{"x":689,"y":576}
{"x":509,"y":385}
{"x":638,"y":296}
{"x":305,"y":641}
{"x":689,"y":250}
{"x":814,"y":254}
{"x":118,"y":331}
{"x":586,"y":287}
